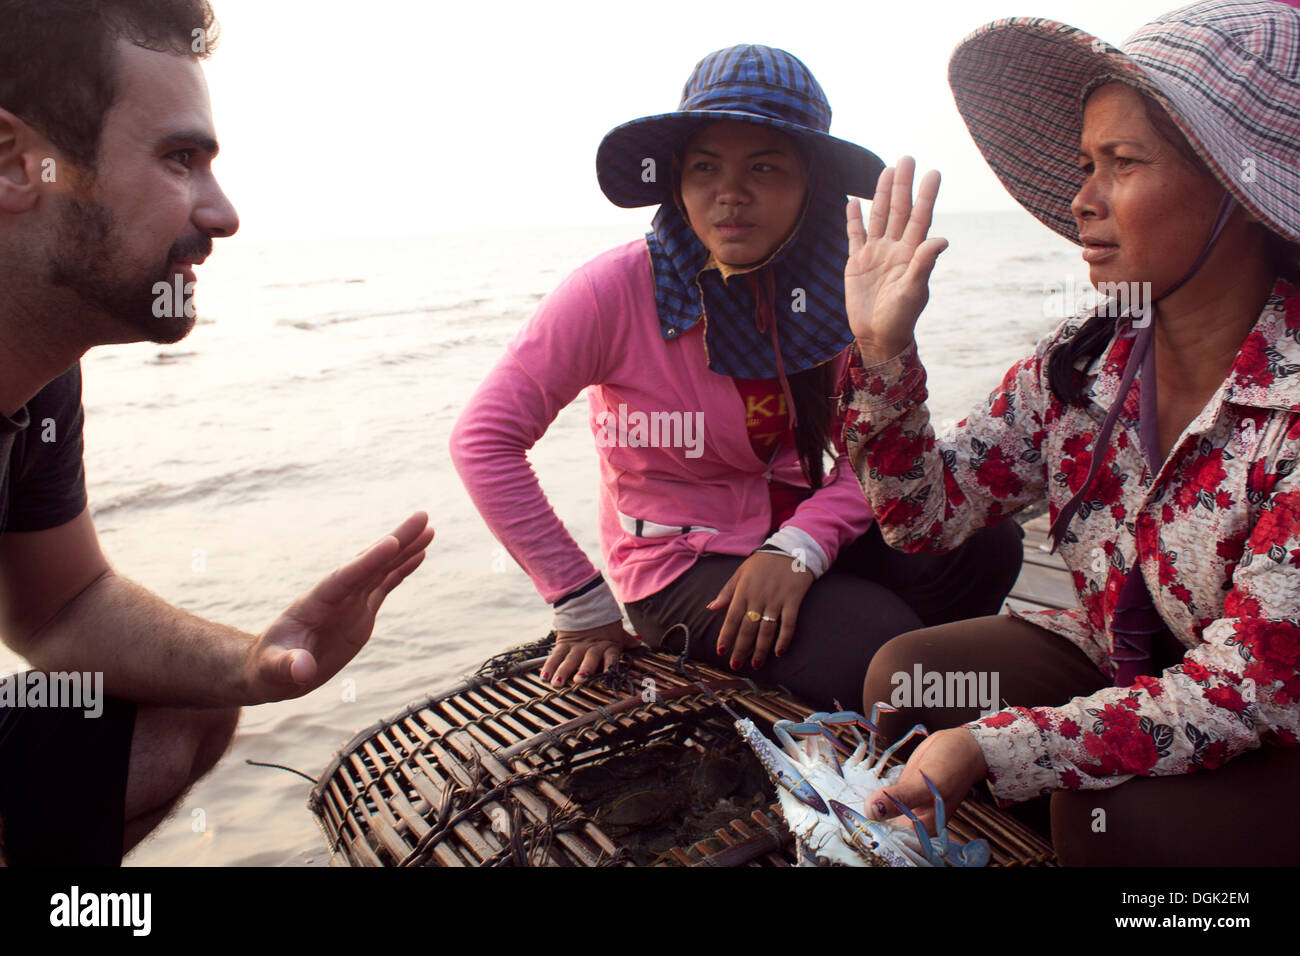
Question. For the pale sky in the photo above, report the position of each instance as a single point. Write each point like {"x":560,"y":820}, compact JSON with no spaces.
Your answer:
{"x":409,"y":117}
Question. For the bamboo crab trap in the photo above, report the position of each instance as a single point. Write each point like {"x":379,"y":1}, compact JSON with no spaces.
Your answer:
{"x":638,"y":767}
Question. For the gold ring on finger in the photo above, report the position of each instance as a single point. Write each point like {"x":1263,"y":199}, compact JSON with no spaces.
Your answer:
{"x":754,"y":616}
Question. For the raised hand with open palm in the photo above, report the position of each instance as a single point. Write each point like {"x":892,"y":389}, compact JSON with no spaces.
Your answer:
{"x":886,"y":279}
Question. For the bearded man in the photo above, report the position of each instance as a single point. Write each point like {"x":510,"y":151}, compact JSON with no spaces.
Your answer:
{"x":107,"y":202}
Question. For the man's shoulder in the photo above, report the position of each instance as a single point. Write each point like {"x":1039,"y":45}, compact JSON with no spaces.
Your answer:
{"x":60,"y":396}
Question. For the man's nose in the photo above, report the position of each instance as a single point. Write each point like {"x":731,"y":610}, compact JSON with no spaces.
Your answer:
{"x":215,"y":213}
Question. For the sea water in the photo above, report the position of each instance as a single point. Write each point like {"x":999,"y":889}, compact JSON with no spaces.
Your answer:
{"x":309,"y":412}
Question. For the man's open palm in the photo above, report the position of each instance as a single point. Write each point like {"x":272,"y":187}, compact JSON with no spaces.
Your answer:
{"x":321,"y":631}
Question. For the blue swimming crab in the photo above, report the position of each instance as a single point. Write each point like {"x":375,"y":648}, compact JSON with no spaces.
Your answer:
{"x":819,"y":793}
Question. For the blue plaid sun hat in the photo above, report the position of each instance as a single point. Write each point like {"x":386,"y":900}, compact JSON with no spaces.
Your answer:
{"x":1227,"y":72}
{"x":634,"y":165}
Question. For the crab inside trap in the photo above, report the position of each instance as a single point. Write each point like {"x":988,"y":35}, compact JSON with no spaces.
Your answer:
{"x":639,"y":767}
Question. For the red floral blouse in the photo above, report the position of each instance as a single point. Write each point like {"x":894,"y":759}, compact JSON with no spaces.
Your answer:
{"x":1216,"y":533}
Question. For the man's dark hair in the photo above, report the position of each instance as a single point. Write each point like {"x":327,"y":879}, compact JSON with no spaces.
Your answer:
{"x":58,"y":65}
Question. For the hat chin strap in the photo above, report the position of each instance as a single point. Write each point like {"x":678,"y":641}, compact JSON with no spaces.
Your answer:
{"x":1226,"y":205}
{"x":1136,"y":359}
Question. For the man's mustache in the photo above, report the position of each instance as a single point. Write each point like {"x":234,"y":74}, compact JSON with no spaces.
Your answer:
{"x":197,"y":247}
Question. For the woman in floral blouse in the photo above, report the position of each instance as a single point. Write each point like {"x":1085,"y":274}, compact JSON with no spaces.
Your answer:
{"x":1164,"y":440}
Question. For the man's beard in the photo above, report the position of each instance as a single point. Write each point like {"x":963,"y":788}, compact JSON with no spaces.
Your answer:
{"x":86,"y":262}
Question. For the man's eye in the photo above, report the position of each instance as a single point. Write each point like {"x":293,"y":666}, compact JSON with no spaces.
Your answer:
{"x":1086,"y":168}
{"x":183,"y":156}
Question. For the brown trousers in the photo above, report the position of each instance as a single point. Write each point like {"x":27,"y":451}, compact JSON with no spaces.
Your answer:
{"x":1241,"y":814}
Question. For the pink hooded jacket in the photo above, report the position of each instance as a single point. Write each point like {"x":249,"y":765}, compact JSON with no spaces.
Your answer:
{"x":600,"y":328}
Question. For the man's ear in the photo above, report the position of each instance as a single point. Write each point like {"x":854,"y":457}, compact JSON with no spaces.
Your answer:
{"x":27,"y":160}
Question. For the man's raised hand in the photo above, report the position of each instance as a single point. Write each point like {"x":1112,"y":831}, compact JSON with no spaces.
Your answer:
{"x":886,"y":279}
{"x":321,"y":631}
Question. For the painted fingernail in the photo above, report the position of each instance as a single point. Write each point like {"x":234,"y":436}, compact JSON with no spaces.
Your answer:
{"x":878,"y":808}
{"x":582,"y":675}
{"x":756,"y":663}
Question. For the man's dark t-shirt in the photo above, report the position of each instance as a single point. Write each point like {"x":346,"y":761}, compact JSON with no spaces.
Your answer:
{"x":42,"y":484}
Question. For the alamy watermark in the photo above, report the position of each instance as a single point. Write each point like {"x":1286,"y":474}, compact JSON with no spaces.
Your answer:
{"x":1111,"y":300}
{"x":946,"y":689}
{"x":172,"y":299}
{"x":636,"y":429}
{"x":72,"y":689}
{"x":75,"y":908}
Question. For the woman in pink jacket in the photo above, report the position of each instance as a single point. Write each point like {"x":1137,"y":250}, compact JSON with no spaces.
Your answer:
{"x":714,"y":345}
{"x":1161,"y":714}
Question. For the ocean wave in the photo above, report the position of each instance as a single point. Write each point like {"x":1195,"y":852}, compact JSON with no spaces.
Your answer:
{"x":170,"y":358}
{"x":313,"y":282}
{"x":311,"y":325}
{"x":237,"y":484}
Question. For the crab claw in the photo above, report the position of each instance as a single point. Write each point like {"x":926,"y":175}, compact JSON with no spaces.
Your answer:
{"x":780,"y":769}
{"x":870,"y":836}
{"x":788,"y":776}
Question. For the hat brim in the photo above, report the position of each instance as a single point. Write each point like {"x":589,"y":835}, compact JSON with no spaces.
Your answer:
{"x":634,"y":161}
{"x":1019,"y":85}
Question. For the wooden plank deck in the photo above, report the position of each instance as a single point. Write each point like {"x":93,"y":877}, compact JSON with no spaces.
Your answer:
{"x":1044,"y":581}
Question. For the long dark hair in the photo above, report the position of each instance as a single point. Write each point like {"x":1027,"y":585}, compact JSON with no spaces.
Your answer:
{"x":814,"y":405}
{"x":1063,"y":373}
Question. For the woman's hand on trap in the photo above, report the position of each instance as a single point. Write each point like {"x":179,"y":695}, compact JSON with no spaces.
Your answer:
{"x":886,"y":279}
{"x":582,"y":654}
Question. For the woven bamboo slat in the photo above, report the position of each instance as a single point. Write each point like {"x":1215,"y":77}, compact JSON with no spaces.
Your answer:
{"x":488,"y":772}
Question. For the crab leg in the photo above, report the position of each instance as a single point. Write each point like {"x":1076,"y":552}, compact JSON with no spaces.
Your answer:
{"x":783,"y":730}
{"x":931,"y":854}
{"x":974,"y":853}
{"x":810,"y":728}
{"x":852,"y":720}
{"x":918,"y":729}
{"x":877,"y":709}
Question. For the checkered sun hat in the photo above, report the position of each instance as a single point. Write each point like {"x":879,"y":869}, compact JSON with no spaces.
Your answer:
{"x":1227,"y":72}
{"x":753,"y":84}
